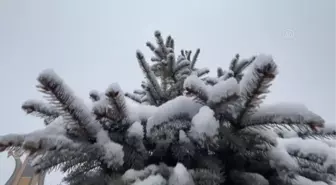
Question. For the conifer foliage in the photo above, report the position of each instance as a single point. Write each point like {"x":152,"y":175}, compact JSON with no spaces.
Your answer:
{"x":183,"y":128}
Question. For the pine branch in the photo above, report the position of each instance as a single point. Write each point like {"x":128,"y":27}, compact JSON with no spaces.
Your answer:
{"x":40,"y":109}
{"x":95,"y":95}
{"x":194,"y":59}
{"x":234,"y":62}
{"x":116,"y":99}
{"x":75,"y":110}
{"x":181,"y":66}
{"x":255,"y":85}
{"x":195,"y":87}
{"x":149,"y":97}
{"x":171,"y":63}
{"x":220,"y":72}
{"x":331,"y":135}
{"x":58,"y":159}
{"x":202,"y":72}
{"x":61,"y":96}
{"x":206,"y":177}
{"x":149,"y":75}
{"x":282,"y":116}
{"x":169,"y":42}
{"x":133,"y":97}
{"x":160,"y":42}
{"x":102,"y":111}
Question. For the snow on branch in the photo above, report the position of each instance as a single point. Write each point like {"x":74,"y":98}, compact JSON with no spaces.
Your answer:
{"x":204,"y":125}
{"x":152,"y":180}
{"x":255,"y":84}
{"x":170,"y":69}
{"x":196,"y":87}
{"x":286,"y":116}
{"x":40,"y":109}
{"x":224,"y":92}
{"x":177,"y":106}
{"x":180,"y":176}
{"x":220,"y":97}
{"x":311,"y":159}
{"x":62,"y":158}
{"x":149,"y":75}
{"x":95,"y":95}
{"x":59,"y":94}
{"x":117,"y":100}
{"x":75,"y":110}
{"x":134,"y":97}
{"x":52,"y":134}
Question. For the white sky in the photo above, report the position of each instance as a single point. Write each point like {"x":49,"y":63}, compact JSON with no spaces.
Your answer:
{"x":92,"y":44}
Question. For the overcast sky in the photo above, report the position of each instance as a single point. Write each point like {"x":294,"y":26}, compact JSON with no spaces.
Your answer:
{"x":92,"y":44}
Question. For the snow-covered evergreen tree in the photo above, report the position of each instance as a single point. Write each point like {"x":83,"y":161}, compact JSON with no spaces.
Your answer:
{"x":186,"y":128}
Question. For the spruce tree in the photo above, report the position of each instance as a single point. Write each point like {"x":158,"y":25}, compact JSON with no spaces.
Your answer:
{"x":184,"y":128}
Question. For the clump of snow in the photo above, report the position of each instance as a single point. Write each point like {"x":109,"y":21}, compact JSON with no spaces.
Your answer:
{"x":183,"y":136}
{"x":180,"y":176}
{"x":113,"y":88}
{"x":132,"y":175}
{"x":223,"y":90}
{"x":136,"y":129}
{"x":204,"y":124}
{"x":141,"y":112}
{"x":299,"y":180}
{"x":102,"y":137}
{"x":280,"y":157}
{"x":177,"y":106}
{"x":329,"y":142}
{"x":114,"y":154}
{"x":193,"y":82}
{"x":56,"y":127}
{"x":289,"y":110}
{"x":310,"y":146}
{"x":152,"y":180}
{"x":262,"y":60}
{"x":101,"y":106}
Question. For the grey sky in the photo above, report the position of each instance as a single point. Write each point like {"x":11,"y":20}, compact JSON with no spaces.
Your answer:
{"x":92,"y":44}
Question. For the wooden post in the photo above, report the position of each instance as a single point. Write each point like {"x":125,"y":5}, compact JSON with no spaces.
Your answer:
{"x":24,"y":173}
